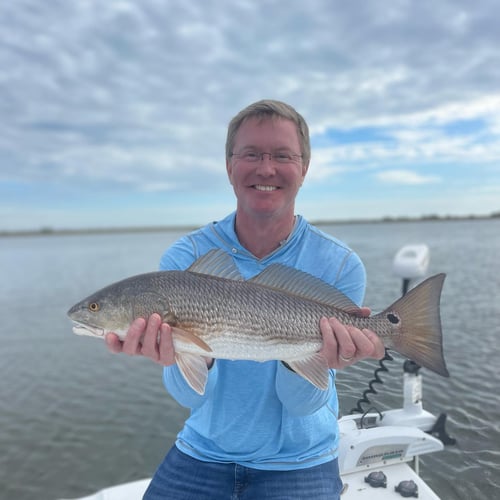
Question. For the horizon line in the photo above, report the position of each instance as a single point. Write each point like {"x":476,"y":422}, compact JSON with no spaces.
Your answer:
{"x":47,"y":231}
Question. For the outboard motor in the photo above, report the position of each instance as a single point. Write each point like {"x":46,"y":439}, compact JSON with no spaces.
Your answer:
{"x":411,"y":262}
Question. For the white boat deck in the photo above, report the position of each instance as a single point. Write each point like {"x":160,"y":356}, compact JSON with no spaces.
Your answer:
{"x":355,"y":487}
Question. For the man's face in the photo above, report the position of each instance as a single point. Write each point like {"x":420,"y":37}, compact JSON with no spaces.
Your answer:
{"x":266,"y":186}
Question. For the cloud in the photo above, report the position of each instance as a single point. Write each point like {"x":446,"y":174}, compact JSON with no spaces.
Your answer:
{"x":406,"y":177}
{"x":136,"y":96}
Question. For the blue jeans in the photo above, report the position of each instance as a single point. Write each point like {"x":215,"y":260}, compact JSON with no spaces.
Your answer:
{"x":181,"y":477}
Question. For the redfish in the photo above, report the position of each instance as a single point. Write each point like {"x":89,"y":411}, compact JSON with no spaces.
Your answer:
{"x":214,"y":313}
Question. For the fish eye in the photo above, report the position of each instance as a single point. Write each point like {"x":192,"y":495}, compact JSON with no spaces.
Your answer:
{"x":94,"y":306}
{"x":393,"y":318}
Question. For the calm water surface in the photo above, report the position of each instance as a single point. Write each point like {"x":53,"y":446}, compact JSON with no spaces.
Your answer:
{"x":75,"y":419}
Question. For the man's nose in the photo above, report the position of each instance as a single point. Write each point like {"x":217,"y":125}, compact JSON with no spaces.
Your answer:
{"x":266,"y":164}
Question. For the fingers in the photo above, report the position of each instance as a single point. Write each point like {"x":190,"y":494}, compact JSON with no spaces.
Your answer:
{"x":151,"y":338}
{"x":344,"y":345}
{"x":364,"y":311}
{"x":379,"y":348}
{"x":113,"y":343}
{"x":132,"y":342}
{"x":157,"y":343}
{"x":166,"y":346}
{"x":150,"y":347}
{"x":338,"y":348}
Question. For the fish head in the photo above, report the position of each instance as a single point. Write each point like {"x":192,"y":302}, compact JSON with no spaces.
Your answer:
{"x":99,"y":314}
{"x":112,"y":309}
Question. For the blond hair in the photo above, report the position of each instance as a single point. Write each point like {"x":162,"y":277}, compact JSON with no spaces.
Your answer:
{"x":265,"y":109}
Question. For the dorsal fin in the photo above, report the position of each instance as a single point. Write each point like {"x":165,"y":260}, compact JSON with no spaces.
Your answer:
{"x":216,"y":263}
{"x":295,"y":282}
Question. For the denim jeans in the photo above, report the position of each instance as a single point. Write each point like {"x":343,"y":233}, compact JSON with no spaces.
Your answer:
{"x":181,"y":477}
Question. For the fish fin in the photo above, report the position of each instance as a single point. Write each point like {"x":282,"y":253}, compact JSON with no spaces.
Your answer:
{"x":304,"y":285}
{"x":314,"y":369}
{"x":421,"y":337}
{"x":216,"y":263}
{"x":190,"y":337}
{"x":194,"y":369}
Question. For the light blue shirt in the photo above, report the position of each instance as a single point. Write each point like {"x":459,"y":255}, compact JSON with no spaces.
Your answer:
{"x":263,"y":415}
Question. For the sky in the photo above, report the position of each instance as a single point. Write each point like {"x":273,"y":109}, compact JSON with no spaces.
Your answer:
{"x":114,"y":113}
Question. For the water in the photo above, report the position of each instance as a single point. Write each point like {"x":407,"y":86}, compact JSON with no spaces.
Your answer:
{"x":75,"y":419}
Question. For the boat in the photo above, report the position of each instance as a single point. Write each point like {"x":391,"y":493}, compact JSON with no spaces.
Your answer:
{"x":379,"y":452}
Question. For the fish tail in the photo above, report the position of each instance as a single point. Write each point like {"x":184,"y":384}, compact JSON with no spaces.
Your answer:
{"x":420,"y":336}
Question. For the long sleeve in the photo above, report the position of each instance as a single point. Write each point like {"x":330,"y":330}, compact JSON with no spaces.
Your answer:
{"x":299,"y":396}
{"x":179,"y":389}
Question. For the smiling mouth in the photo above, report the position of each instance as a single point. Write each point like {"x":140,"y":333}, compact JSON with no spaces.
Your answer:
{"x":260,"y":187}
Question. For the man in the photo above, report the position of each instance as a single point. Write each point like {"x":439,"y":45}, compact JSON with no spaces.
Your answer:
{"x":260,"y":430}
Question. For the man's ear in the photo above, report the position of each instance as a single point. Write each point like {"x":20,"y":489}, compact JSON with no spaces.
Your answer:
{"x":229,"y":170}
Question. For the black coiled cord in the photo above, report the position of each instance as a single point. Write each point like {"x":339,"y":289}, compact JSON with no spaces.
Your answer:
{"x":376,"y":380}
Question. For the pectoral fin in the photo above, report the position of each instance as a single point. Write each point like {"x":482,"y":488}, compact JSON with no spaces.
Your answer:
{"x":194,"y":369}
{"x":314,"y":369}
{"x":189,"y":337}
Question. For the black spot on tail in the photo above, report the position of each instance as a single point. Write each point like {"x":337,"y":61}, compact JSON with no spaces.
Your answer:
{"x":393,"y":318}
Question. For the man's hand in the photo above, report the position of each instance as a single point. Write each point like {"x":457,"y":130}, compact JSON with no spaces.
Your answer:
{"x":344,"y":345}
{"x":151,"y":338}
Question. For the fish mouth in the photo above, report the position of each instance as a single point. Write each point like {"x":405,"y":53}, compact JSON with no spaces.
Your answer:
{"x":83,"y":329}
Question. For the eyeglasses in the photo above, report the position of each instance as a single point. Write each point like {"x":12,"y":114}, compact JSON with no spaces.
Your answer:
{"x":256,"y":156}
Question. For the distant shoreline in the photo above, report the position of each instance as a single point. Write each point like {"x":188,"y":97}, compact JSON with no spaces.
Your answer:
{"x":48,"y":231}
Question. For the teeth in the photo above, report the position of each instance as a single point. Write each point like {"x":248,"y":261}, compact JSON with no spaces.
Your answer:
{"x":259,"y":187}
